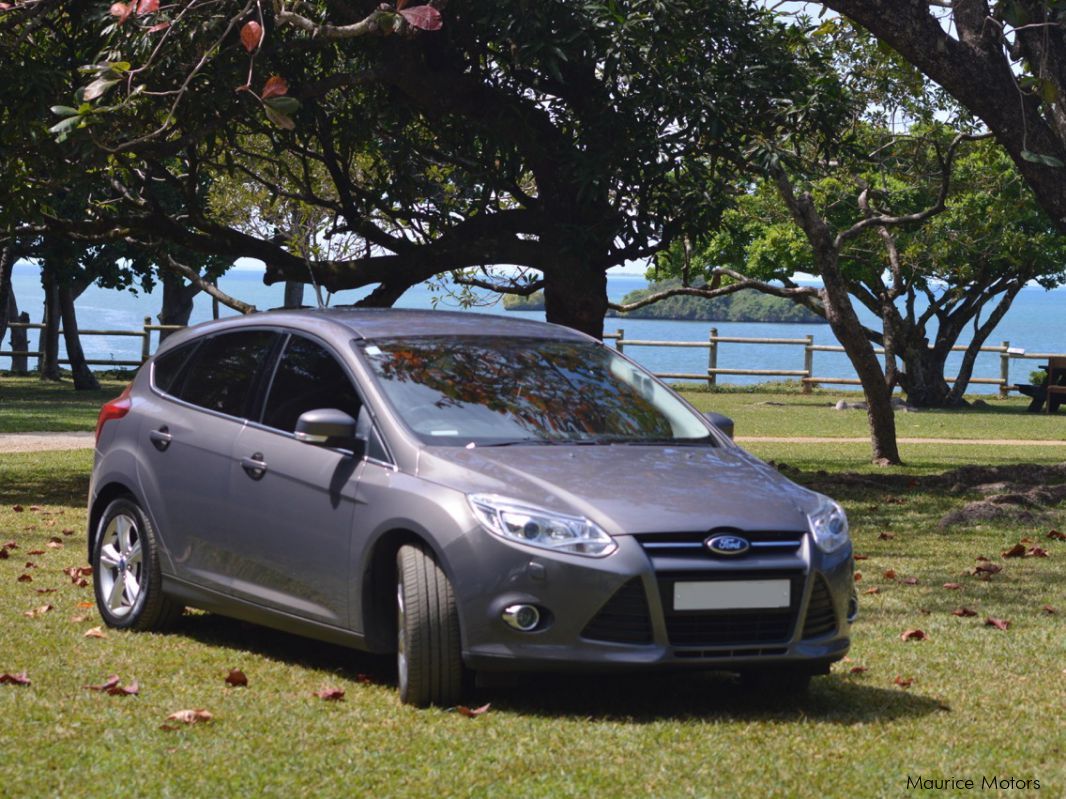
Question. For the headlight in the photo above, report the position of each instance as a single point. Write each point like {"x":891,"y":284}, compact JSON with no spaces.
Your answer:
{"x":829,"y":525}
{"x":537,"y":527}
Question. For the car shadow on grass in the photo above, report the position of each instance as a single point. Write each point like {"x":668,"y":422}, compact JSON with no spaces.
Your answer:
{"x":635,"y":698}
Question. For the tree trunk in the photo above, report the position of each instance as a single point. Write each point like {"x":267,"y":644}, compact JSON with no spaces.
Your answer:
{"x":923,"y":377}
{"x":84,"y":379}
{"x":852,"y":336}
{"x":294,"y":294}
{"x":178,"y":299}
{"x":8,"y":309}
{"x":576,"y":296}
{"x":50,"y":335}
{"x":20,"y":339}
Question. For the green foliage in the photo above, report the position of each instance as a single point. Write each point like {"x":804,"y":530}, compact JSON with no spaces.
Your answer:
{"x":743,"y":306}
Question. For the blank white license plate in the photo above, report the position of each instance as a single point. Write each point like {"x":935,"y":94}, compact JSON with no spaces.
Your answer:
{"x":732,"y":594}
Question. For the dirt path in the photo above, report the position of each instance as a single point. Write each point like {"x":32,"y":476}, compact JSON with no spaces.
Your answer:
{"x":37,"y":442}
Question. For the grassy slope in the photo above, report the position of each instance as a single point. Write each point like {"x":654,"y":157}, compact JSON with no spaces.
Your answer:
{"x":983,"y":702}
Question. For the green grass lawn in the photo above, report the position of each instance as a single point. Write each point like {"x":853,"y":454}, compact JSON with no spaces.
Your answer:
{"x":29,"y":405}
{"x":983,"y":702}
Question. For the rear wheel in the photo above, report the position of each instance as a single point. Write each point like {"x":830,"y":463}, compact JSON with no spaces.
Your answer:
{"x":126,"y":575}
{"x":428,"y":654}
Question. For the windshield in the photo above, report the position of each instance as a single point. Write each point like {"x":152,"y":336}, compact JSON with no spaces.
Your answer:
{"x":458,"y":390}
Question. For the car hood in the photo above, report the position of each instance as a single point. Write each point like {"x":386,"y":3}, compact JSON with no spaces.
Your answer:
{"x":630,"y":488}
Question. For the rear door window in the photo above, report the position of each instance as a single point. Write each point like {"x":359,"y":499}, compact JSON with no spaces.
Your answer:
{"x":224,"y":371}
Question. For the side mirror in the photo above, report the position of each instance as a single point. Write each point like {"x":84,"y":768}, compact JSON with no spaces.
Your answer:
{"x":723,"y":423}
{"x":328,"y":427}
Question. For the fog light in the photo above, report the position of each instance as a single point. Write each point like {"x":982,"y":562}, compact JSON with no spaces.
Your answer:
{"x":521,"y":617}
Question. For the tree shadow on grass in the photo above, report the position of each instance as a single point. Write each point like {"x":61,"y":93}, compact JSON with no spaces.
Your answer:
{"x":61,"y":486}
{"x":635,"y":698}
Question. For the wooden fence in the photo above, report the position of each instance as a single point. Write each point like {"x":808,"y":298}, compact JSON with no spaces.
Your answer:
{"x":145,"y":334}
{"x":806,"y":374}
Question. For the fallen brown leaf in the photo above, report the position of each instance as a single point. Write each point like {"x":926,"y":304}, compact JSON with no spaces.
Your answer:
{"x":3,"y":554}
{"x":38,"y":611}
{"x":1048,"y":610}
{"x":95,"y":632}
{"x":890,"y":574}
{"x":1036,"y":552}
{"x":985,"y":569}
{"x":36,"y":508}
{"x":330,"y":694}
{"x":17,"y":508}
{"x":81,"y":582}
{"x":236,"y":678}
{"x":913,"y":635}
{"x":79,"y":619}
{"x":132,"y":689}
{"x":25,"y":578}
{"x":471,"y":713}
{"x":13,"y":545}
{"x":189,"y":717}
{"x":886,"y":536}
{"x":910,"y":581}
{"x":999,"y":624}
{"x":35,"y":552}
{"x":1027,"y":540}
{"x":872,"y":590}
{"x":46,"y":590}
{"x":858,"y":670}
{"x":67,"y":531}
{"x":14,"y":679}
{"x":1056,"y":535}
{"x":107,"y":684}
{"x":952,"y":586}
{"x":54,"y":545}
{"x":963,"y":612}
{"x":982,"y":558}
{"x":857,"y":556}
{"x":86,"y":605}
{"x":30,"y":565}
{"x":1016,"y":551}
{"x":903,"y":682}
{"x":858,"y":576}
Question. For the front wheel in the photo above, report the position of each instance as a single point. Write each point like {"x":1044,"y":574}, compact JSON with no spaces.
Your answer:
{"x":429,"y":660}
{"x":126,"y":575}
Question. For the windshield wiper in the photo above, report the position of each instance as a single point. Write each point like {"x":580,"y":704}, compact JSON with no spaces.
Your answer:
{"x":517,"y":442}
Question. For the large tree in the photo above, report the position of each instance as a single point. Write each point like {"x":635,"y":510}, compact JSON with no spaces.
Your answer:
{"x":565,"y":136}
{"x":1004,"y":62}
{"x":925,"y":283}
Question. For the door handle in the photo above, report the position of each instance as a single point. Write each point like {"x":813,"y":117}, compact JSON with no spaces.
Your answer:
{"x":160,"y":438}
{"x":255,"y":466}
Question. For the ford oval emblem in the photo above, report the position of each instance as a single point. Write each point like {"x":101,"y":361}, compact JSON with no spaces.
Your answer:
{"x":730,"y":545}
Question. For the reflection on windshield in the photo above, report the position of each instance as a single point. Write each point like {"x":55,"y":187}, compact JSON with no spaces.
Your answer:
{"x":496,"y":390}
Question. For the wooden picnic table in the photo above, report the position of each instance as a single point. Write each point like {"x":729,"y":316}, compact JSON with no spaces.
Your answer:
{"x":1052,"y":390}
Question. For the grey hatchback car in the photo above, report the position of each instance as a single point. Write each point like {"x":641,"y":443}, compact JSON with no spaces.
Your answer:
{"x":470,"y":492}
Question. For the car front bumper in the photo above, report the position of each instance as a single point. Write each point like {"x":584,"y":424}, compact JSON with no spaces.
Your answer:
{"x":617,"y":612}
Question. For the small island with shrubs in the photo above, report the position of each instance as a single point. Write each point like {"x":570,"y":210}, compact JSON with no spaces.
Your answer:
{"x":744,"y":306}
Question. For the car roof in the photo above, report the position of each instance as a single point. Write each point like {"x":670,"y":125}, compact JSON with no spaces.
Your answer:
{"x":382,"y":323}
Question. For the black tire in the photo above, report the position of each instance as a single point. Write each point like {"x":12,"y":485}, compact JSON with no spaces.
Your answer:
{"x":126,"y":550}
{"x":777,"y":682}
{"x":428,"y":652}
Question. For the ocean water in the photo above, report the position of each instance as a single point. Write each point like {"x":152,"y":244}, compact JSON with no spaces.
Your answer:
{"x":1036,"y":323}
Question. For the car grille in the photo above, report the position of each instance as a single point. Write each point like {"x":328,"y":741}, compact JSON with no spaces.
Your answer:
{"x":690,"y":545}
{"x":729,"y":627}
{"x":624,"y":619}
{"x":821,"y":617}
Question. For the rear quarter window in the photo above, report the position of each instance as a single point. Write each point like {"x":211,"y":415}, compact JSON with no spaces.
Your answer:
{"x":167,"y":367}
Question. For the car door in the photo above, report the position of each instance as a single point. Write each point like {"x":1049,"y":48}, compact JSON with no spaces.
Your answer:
{"x":191,"y":422}
{"x":293,"y":503}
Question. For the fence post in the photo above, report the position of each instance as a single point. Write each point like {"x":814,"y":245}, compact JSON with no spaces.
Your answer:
{"x":712,"y":357}
{"x":619,"y":343}
{"x":1004,"y":370}
{"x":808,"y":363}
{"x":146,"y":342}
{"x":20,"y":341}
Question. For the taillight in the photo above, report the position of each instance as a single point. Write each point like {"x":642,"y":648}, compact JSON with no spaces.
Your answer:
{"x":115,"y":409}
